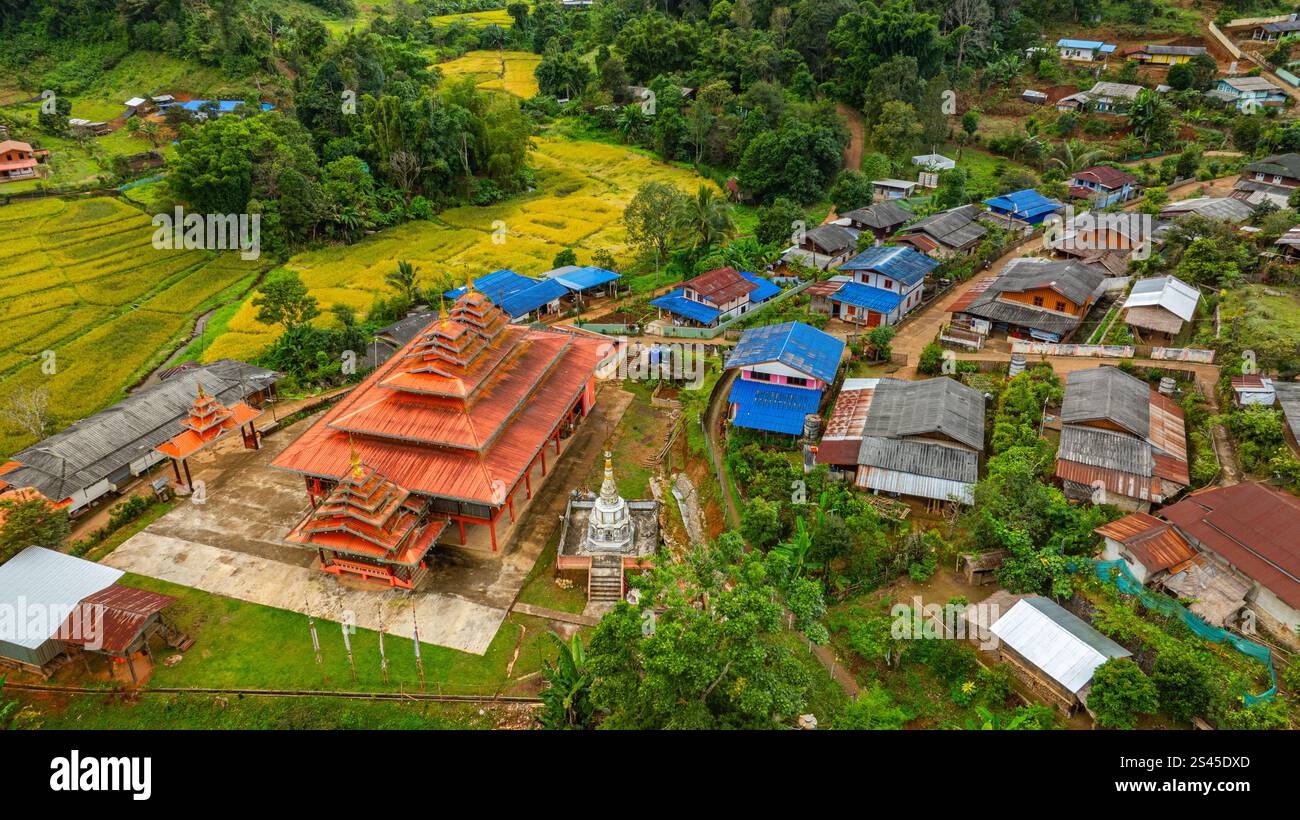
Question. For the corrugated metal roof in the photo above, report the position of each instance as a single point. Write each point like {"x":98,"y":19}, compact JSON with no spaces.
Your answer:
{"x":1063,"y":647}
{"x":1025,"y":204}
{"x":843,"y":434}
{"x":1108,"y":394}
{"x":1217,"y":207}
{"x":582,"y":278}
{"x":865,"y":296}
{"x":941,"y":406}
{"x":675,"y":302}
{"x":920,"y":458}
{"x":766,"y":288}
{"x":777,"y":408}
{"x":898,"y":262}
{"x":720,"y":285}
{"x":1129,"y":485}
{"x":90,"y":450}
{"x":1168,"y":292}
{"x":1155,"y":544}
{"x":39,"y":577}
{"x":523,"y":302}
{"x":955,"y":228}
{"x":831,"y":239}
{"x":1250,"y":525}
{"x":909,"y":483}
{"x":113,"y":617}
{"x":1288,"y":395}
{"x":794,"y":344}
{"x":882,"y":216}
{"x":1106,"y":449}
{"x":497,"y":285}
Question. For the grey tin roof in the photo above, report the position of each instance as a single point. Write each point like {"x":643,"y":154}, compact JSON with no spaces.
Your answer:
{"x":1108,"y":393}
{"x":1105,"y":449}
{"x":945,"y":406}
{"x":95,"y":447}
{"x":925,"y":458}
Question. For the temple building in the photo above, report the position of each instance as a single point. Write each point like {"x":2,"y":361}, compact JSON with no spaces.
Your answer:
{"x":457,"y":418}
{"x":208,"y":421}
{"x":369,"y":526}
{"x":605,"y":535}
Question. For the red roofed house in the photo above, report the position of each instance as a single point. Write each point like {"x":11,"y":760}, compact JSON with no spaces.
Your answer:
{"x":1147,"y":545}
{"x":1102,"y":185}
{"x":722,"y":289}
{"x":17,"y":161}
{"x":448,"y":429}
{"x":1253,"y":528}
{"x":208,"y":421}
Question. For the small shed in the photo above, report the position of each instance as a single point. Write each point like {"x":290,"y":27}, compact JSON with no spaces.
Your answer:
{"x":980,"y":568}
{"x":1029,"y":95}
{"x":1253,"y":388}
{"x":45,"y":587}
{"x":1052,"y":650}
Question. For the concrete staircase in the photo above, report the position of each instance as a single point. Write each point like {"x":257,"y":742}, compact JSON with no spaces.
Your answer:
{"x":605,"y":581}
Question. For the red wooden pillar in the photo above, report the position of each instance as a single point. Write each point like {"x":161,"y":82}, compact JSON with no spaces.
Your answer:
{"x":528,"y":485}
{"x":543,"y":459}
{"x":461,"y":524}
{"x":492,"y":529}
{"x":176,"y":465}
{"x":510,"y":502}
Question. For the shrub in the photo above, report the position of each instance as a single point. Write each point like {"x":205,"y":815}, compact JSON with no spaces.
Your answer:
{"x":1121,"y":692}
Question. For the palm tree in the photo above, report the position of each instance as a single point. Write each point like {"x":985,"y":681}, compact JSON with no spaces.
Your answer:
{"x":631,"y":119}
{"x":707,"y":219}
{"x":402,"y":280}
{"x":566,"y":701}
{"x":1151,"y":118}
{"x":1075,"y":155}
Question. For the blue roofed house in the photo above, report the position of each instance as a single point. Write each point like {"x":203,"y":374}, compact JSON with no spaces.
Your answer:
{"x":1084,"y":51}
{"x":887,"y":282}
{"x":519,"y":296}
{"x":1027,"y":206}
{"x":784,"y":371}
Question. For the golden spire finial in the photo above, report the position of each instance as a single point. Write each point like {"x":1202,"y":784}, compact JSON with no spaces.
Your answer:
{"x":442,"y":309}
{"x":201,"y":394}
{"x":469,"y":283}
{"x":356,"y":459}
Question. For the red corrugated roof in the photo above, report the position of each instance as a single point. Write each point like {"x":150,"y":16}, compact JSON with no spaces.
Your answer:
{"x":1129,"y":485}
{"x":1252,"y":526}
{"x":111,"y":619}
{"x":978,"y":287}
{"x":720,"y":285}
{"x":1107,"y":176}
{"x":1157,"y":545}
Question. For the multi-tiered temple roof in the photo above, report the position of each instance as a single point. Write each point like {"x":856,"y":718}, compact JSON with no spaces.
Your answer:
{"x":460,"y":412}
{"x":368,"y":516}
{"x":209,"y":419}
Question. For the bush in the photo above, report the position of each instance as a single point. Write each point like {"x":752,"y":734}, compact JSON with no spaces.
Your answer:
{"x":1121,"y":692}
{"x":1183,"y":683}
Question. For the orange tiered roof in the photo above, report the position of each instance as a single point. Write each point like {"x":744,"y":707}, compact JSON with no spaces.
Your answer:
{"x":369,"y":515}
{"x":460,"y":412}
{"x":209,"y":419}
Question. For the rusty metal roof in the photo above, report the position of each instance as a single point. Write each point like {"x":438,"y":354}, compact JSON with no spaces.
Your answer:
{"x":1154,"y":543}
{"x":110,"y":620}
{"x":1250,"y":525}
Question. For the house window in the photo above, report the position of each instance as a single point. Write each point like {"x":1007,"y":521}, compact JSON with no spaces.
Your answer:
{"x":796,"y":381}
{"x":758,"y":375}
{"x":1259,"y":177}
{"x":1276,"y":178}
{"x":1060,"y":306}
{"x":889,"y":284}
{"x":1038,"y":301}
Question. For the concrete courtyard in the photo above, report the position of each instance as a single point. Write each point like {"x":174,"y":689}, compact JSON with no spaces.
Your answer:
{"x":231,"y":544}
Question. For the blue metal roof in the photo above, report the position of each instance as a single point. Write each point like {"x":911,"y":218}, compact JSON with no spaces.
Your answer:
{"x":898,"y":262}
{"x":585,"y":277}
{"x":1025,"y":204}
{"x":498,"y":285}
{"x":223,"y":106}
{"x":531,"y":298}
{"x":865,"y":296}
{"x":794,"y":344}
{"x":674,"y":302}
{"x":766,"y":288}
{"x":1093,"y":44}
{"x":777,"y":408}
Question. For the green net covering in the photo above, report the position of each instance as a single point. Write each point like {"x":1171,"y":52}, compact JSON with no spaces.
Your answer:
{"x":1117,"y":573}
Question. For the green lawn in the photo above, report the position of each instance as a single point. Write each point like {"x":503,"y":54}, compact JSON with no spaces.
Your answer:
{"x":541,"y":590}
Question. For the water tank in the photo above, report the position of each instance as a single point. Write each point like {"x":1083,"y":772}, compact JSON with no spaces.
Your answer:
{"x":1166,"y":386}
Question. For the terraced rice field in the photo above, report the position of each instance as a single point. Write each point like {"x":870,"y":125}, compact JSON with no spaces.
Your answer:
{"x":582,"y":189}
{"x":475,"y":19}
{"x":82,"y":287}
{"x":511,"y":71}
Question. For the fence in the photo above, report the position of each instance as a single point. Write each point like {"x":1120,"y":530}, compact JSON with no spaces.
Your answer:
{"x":1183,"y":354}
{"x":1117,"y":573}
{"x":1190,"y":355}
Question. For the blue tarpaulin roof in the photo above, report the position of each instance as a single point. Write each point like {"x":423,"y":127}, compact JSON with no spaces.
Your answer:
{"x":531,"y":298}
{"x":674,"y":302}
{"x":794,"y":344}
{"x":766,"y":288}
{"x":865,"y":296}
{"x":777,"y":408}
{"x":898,"y":262}
{"x":1025,"y":204}
{"x":498,"y":285}
{"x":585,"y":277}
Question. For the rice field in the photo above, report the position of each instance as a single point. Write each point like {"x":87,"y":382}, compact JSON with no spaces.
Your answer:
{"x":582,"y":188}
{"x":476,"y":19}
{"x":84,"y":293}
{"x":510,"y":71}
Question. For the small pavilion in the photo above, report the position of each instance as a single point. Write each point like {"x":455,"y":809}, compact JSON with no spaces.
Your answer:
{"x":208,"y":421}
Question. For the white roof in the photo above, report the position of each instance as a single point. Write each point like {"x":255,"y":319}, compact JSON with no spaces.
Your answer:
{"x":895,"y":183}
{"x":53,"y":582}
{"x":134,"y":101}
{"x":1168,"y":292}
{"x":1065,"y":648}
{"x":937,"y":160}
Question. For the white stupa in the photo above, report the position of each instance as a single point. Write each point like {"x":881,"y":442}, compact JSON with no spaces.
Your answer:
{"x":610,"y":527}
